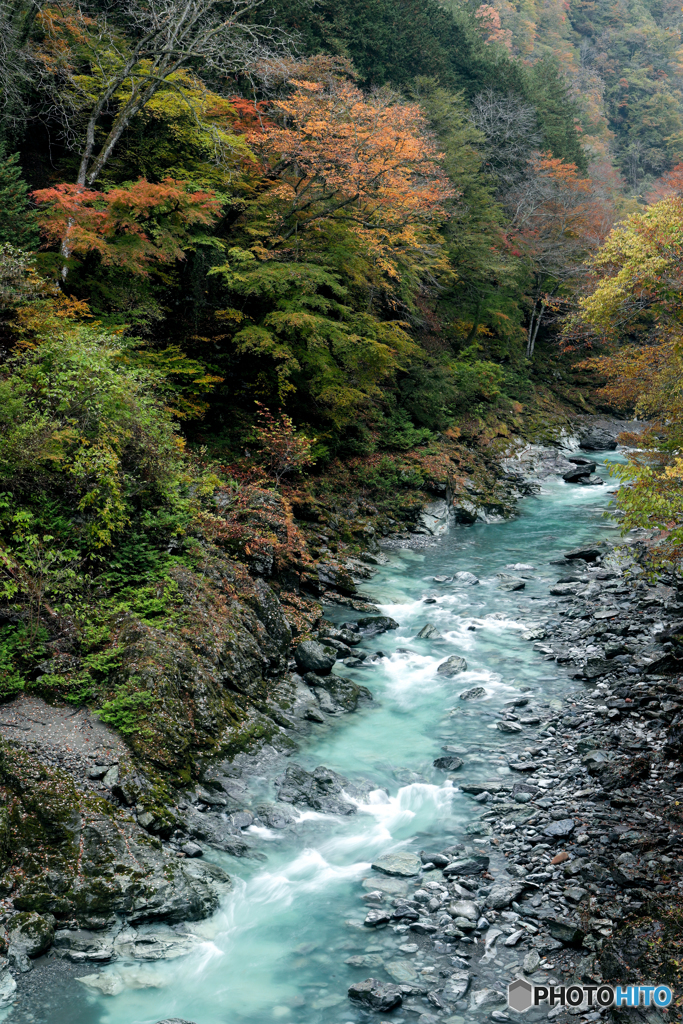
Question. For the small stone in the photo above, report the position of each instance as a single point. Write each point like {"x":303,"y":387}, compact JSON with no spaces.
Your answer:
{"x":485,"y":997}
{"x":402,"y":863}
{"x":560,"y":857}
{"x":565,"y":931}
{"x":531,"y":962}
{"x":111,"y":777}
{"x":560,"y":828}
{"x":505,"y":726}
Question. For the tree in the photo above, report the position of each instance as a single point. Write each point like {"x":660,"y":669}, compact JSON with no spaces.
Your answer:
{"x":17,"y":219}
{"x":132,"y":227}
{"x":557,"y":219}
{"x":98,"y":74}
{"x":283,"y":449}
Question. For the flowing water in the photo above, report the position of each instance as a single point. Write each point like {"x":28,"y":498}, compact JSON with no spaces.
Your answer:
{"x":275,"y":951}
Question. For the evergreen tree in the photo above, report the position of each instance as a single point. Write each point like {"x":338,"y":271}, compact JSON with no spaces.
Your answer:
{"x":17,"y":219}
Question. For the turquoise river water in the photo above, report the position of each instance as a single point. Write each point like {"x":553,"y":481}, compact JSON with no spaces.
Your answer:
{"x":275,"y":950}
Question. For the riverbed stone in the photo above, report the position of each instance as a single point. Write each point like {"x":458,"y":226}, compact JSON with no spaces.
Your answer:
{"x":468,"y":579}
{"x":452,"y":666}
{"x":429,"y":632}
{"x":559,"y":829}
{"x":456,"y":987}
{"x":449,"y":763}
{"x":401,"y":863}
{"x":376,"y":995}
{"x":474,"y":693}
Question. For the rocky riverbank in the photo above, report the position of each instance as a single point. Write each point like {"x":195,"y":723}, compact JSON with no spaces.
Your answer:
{"x":121,"y":827}
{"x":573,"y":871}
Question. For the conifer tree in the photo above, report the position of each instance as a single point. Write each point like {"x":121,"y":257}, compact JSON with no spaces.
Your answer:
{"x":17,"y":219}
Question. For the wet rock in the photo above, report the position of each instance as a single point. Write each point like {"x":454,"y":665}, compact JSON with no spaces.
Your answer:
{"x":578,"y":474}
{"x":449,"y":763}
{"x":474,"y":693}
{"x":456,"y":987}
{"x":505,"y":726}
{"x":501,"y":896}
{"x":468,"y":579}
{"x":175,"y":1020}
{"x":429,"y":632}
{"x":597,"y":439}
{"x":377,"y":918}
{"x":310,"y":656}
{"x":558,"y":829}
{"x":531,"y":962}
{"x":464,"y":908}
{"x":374,"y":624}
{"x":192,"y":850}
{"x":452,"y":666}
{"x":565,"y":931}
{"x":8,"y":985}
{"x":587,"y":554}
{"x":401,"y":863}
{"x":485,"y":997}
{"x":322,"y":789}
{"x":376,"y":995}
{"x":467,"y":866}
{"x":28,"y":935}
{"x":510,"y":583}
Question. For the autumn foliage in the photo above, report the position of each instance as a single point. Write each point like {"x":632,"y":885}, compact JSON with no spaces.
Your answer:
{"x":130,"y":226}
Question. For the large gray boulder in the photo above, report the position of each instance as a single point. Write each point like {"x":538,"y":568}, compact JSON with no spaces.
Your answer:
{"x":310,"y":656}
{"x":597,"y":439}
{"x":29,"y":935}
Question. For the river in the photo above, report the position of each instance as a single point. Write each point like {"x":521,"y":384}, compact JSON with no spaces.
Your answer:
{"x":276,"y":949}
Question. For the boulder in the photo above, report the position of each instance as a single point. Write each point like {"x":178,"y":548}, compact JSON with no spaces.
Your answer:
{"x":597,"y":439}
{"x":434,"y":518}
{"x":376,"y":995}
{"x":429,"y":632}
{"x":452,"y":666}
{"x":321,"y":789}
{"x":450,"y":763}
{"x":588,"y":553}
{"x":467,"y":866}
{"x":29,"y":935}
{"x":373,"y":624}
{"x":401,"y":863}
{"x":577,"y":474}
{"x":467,"y":579}
{"x":473,"y":693}
{"x":8,"y":985}
{"x":310,"y":656}
{"x":565,"y":931}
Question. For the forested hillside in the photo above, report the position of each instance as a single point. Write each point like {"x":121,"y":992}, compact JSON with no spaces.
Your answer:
{"x":300,"y":245}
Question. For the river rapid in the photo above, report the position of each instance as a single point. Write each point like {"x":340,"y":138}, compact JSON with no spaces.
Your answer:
{"x":276,"y":949}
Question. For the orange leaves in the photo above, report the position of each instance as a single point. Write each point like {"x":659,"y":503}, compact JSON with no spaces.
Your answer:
{"x":670,"y":184}
{"x":335,"y":149}
{"x":130,"y":226}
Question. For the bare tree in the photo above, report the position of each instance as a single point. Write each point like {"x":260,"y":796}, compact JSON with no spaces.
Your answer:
{"x":511,"y":131}
{"x":16,"y":22}
{"x":133,"y":57}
